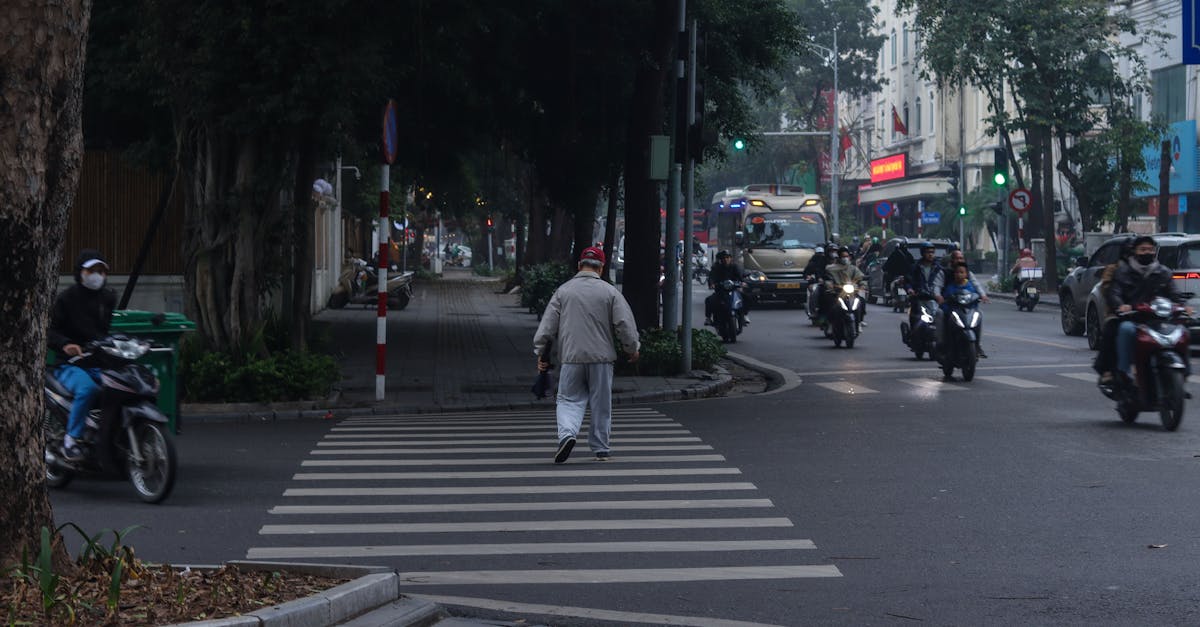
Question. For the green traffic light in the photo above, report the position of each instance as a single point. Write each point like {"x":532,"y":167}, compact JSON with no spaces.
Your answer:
{"x":739,"y":144}
{"x":962,"y":210}
{"x":1000,"y":178}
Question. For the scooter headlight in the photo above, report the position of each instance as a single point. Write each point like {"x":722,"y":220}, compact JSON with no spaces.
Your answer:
{"x":848,"y":288}
{"x":1161,"y":307}
{"x":958,"y":320}
{"x":926,"y":318}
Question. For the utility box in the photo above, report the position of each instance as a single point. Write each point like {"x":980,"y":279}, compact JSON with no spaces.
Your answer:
{"x":163,"y":358}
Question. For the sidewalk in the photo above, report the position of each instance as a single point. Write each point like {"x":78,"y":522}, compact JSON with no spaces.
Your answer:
{"x":458,"y":346}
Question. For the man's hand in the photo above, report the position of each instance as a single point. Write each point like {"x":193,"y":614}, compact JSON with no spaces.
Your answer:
{"x":542,"y":366}
{"x":985,"y":299}
{"x":633,"y":357}
{"x":74,"y":350}
{"x":1124,"y":309}
{"x":939,"y":299}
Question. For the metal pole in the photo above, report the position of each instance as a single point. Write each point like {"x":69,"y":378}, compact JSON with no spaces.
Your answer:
{"x":962,"y":157}
{"x":833,"y":138}
{"x":689,"y":233}
{"x":491,"y":264}
{"x":670,"y":293}
{"x":382,"y":230}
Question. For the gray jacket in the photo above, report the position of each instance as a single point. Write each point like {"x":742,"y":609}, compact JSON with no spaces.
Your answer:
{"x":581,"y":319}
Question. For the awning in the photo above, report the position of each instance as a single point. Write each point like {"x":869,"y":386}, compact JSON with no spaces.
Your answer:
{"x":910,"y":189}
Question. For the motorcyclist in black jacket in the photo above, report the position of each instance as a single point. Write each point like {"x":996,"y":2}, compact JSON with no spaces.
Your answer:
{"x":1139,"y":281}
{"x":725,"y":269}
{"x":81,"y":313}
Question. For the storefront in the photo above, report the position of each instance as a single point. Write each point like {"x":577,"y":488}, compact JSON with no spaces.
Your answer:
{"x":892,"y":182}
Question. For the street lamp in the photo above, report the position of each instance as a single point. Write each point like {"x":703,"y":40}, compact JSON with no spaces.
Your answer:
{"x":832,"y":57}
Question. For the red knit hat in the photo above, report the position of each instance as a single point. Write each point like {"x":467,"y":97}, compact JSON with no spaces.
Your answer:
{"x":592,"y":254}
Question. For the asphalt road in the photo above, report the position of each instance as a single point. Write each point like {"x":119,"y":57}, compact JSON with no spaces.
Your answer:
{"x":871,"y":494}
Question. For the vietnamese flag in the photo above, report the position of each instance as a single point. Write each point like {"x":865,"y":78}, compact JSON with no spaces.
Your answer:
{"x":898,"y":124}
{"x":846,"y":143}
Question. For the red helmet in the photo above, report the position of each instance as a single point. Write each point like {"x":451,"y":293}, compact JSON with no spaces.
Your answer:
{"x":1025,"y":252}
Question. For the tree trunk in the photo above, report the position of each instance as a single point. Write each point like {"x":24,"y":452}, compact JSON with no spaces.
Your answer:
{"x":1033,"y":225}
{"x":1082,"y":193}
{"x":642,"y":232}
{"x":1049,"y":225}
{"x":585,"y":228}
{"x":41,"y":148}
{"x":1164,"y":188}
{"x":610,"y":221}
{"x":1124,"y":196}
{"x":303,"y":263}
{"x":535,"y":252}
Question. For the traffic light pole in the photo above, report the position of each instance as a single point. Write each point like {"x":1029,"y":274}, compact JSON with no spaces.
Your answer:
{"x":689,"y":233}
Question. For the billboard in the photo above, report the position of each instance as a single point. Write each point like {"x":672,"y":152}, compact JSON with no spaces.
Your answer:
{"x":1182,"y":136}
{"x":889,"y":168}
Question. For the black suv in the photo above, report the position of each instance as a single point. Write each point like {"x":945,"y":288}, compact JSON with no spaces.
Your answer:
{"x":876,"y":285}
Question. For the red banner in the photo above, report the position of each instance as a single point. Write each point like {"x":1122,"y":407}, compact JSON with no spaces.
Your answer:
{"x":889,"y":168}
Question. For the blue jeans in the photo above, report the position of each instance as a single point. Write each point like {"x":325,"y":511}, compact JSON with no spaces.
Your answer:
{"x":1125,"y":333}
{"x":82,"y":384}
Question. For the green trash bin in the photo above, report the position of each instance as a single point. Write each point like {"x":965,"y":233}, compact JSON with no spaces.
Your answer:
{"x":163,"y":357}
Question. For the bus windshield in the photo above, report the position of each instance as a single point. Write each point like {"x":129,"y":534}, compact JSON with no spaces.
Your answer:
{"x":780,"y":229}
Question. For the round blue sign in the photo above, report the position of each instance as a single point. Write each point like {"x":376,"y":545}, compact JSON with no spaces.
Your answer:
{"x":391,"y":140}
{"x":883,"y":209}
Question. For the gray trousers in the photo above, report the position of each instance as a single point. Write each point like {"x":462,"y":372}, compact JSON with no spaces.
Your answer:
{"x":580,"y":386}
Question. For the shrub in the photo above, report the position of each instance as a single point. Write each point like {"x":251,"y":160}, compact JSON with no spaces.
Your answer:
{"x":539,"y":282}
{"x":661,"y":353}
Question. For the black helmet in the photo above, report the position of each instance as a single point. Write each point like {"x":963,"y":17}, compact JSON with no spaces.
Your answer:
{"x":724,"y":254}
{"x":843,"y":249}
{"x":926,"y":246}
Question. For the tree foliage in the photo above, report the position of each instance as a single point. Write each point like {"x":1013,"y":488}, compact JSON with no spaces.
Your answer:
{"x":1059,"y":65}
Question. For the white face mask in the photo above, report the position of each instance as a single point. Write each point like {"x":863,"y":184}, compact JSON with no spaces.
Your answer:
{"x":93,"y":281}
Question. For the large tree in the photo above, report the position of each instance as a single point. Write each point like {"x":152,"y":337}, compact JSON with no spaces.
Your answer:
{"x":41,"y":79}
{"x":1055,"y":62}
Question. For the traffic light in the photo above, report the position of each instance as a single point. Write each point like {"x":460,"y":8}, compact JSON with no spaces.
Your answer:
{"x":1000,"y":167}
{"x":962,"y":210}
{"x":490,"y":226}
{"x":739,"y":144}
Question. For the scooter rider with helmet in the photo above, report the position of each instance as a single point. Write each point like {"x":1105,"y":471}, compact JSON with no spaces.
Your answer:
{"x":840,"y":273}
{"x":725,"y":269}
{"x":1140,"y":280}
{"x":925,"y":282}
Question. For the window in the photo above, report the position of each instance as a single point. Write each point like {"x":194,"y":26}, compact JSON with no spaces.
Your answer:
{"x":1168,"y":100}
{"x":904,"y":40}
{"x":893,"y":46}
{"x":917,"y":117}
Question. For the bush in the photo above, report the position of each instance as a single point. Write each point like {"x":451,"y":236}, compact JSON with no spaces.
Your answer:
{"x":539,"y":282}
{"x":661,"y":353}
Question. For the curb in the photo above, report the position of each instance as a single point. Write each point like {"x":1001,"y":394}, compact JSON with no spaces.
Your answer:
{"x":246,"y":412}
{"x":375,"y":589}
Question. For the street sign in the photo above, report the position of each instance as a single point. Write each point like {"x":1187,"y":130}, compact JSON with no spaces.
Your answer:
{"x":1020,"y":200}
{"x":883,"y":209}
{"x":391,"y":140}
{"x":931,"y":217}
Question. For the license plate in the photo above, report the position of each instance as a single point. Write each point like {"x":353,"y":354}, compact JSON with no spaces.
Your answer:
{"x":1031,"y":290}
{"x":787,"y":286}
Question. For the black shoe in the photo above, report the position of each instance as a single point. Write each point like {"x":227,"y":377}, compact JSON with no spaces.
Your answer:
{"x":980,"y":353}
{"x":602,"y":456}
{"x":72,"y":454}
{"x":564,"y":449}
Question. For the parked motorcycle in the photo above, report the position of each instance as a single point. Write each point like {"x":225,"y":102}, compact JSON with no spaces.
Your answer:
{"x":844,"y":315}
{"x":1160,"y":359}
{"x":921,"y":338}
{"x":727,"y":318}
{"x":125,"y":433}
{"x":962,"y":325}
{"x":1027,"y":291}
{"x":358,"y":284}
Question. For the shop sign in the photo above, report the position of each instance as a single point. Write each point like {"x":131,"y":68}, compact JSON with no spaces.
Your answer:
{"x":889,"y":168}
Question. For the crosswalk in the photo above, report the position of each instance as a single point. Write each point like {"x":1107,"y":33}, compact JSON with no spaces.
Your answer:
{"x":474,"y":499}
{"x":933,"y":383}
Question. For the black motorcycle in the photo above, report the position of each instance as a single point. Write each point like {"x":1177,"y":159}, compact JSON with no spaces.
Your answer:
{"x":1027,"y":290}
{"x":844,"y":315}
{"x":1160,"y":361}
{"x":921,"y":338}
{"x":727,"y":316}
{"x":126,"y":433}
{"x":961,"y":332}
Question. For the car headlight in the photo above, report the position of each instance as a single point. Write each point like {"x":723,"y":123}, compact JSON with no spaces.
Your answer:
{"x":756,"y":276}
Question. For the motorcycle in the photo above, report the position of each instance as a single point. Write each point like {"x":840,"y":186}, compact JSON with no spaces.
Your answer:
{"x":897,"y":295}
{"x":845,"y":314}
{"x":812,"y":303}
{"x":358,"y":284}
{"x":125,"y":432}
{"x":700,"y":269}
{"x":1027,"y":292}
{"x":921,"y":338}
{"x":961,"y":332}
{"x":727,"y":318}
{"x":1160,"y":358}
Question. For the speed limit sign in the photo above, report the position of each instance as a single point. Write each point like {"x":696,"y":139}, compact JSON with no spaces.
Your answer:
{"x":1020,"y":200}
